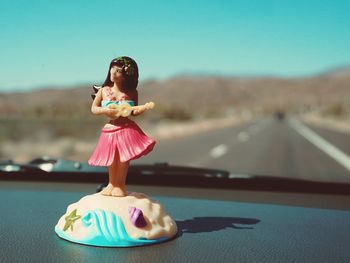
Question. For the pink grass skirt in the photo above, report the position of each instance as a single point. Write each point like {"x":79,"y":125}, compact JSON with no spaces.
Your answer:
{"x":126,"y":140}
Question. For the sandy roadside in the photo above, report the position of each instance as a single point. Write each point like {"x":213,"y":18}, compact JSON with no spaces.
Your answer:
{"x":168,"y":131}
{"x":340,"y":125}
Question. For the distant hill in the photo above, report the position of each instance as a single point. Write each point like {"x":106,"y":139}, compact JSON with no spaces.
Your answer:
{"x":343,"y":71}
{"x":186,"y":97}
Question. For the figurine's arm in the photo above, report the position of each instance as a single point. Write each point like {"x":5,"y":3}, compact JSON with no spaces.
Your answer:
{"x":98,"y":110}
{"x":140,"y":110}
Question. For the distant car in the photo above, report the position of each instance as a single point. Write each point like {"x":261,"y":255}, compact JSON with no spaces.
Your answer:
{"x":280,"y":115}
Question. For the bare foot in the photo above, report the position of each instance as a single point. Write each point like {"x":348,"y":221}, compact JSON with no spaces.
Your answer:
{"x":117,"y":191}
{"x":107,"y":190}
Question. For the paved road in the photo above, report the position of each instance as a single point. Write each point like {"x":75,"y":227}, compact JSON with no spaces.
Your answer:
{"x":264,"y":147}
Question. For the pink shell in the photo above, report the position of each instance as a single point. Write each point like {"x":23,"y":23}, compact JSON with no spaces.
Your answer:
{"x":136,"y":217}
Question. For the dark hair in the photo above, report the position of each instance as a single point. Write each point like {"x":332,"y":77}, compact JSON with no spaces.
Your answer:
{"x":129,"y":70}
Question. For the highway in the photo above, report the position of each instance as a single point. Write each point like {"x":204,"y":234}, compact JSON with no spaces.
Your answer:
{"x":268,"y":146}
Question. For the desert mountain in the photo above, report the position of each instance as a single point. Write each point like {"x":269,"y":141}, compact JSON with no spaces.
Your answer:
{"x":187,"y":96}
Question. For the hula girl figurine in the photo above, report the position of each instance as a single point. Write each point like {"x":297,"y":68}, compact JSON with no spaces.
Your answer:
{"x":114,"y":217}
{"x":121,"y":139}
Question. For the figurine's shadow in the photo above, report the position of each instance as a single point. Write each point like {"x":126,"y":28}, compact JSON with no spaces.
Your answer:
{"x":211,"y":224}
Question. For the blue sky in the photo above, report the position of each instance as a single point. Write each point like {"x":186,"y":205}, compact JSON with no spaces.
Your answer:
{"x":62,"y":43}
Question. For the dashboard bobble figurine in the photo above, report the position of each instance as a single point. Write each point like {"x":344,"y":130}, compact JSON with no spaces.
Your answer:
{"x":115,"y":217}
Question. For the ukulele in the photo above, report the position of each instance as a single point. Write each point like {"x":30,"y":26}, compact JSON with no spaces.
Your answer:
{"x":124,"y":110}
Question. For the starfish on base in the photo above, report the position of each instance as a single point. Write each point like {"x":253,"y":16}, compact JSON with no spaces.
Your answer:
{"x":70,"y":219}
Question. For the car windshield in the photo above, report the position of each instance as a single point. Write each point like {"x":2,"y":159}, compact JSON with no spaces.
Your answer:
{"x":251,"y":87}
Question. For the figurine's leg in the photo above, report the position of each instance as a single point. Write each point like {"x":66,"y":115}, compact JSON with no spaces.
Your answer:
{"x":112,"y":173}
{"x":121,"y":173}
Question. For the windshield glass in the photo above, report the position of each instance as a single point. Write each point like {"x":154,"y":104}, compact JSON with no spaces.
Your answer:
{"x":251,"y":87}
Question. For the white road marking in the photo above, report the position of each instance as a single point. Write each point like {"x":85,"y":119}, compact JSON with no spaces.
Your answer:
{"x":243,"y":136}
{"x":338,"y":155}
{"x":219,"y":151}
{"x":253,"y":129}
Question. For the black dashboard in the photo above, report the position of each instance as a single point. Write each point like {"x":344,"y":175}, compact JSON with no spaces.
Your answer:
{"x":215,"y":225}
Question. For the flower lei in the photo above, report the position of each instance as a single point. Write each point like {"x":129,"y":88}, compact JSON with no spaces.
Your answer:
{"x":128,"y":67}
